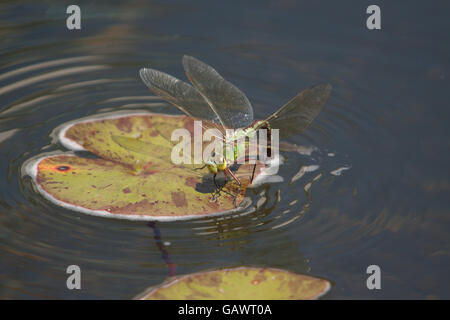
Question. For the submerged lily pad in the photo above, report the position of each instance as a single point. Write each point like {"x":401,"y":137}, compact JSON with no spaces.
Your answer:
{"x":241,"y":283}
{"x":127,"y":184}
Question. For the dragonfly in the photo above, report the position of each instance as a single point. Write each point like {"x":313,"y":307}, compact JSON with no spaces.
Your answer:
{"x":212,"y":98}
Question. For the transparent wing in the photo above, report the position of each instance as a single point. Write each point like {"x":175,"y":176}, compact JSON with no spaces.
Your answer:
{"x":181,"y":95}
{"x":296,"y":115}
{"x":228,"y":102}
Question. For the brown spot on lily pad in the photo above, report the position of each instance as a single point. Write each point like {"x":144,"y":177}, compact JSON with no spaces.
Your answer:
{"x":126,"y":190}
{"x":124,"y":124}
{"x":179,"y":198}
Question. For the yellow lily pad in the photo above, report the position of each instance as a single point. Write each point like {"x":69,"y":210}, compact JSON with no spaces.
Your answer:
{"x":125,"y":184}
{"x":240,"y":283}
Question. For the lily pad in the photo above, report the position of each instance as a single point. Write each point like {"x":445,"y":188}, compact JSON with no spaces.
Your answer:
{"x":126,"y":184}
{"x":241,"y":283}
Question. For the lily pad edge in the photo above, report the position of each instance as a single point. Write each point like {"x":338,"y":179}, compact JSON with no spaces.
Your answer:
{"x":172,"y":280}
{"x":30,"y":168}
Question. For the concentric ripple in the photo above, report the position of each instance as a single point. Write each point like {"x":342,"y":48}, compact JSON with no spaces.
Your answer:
{"x":364,"y":185}
{"x":43,"y":94}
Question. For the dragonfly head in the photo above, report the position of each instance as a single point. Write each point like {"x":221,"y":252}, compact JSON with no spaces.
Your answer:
{"x":212,"y":167}
{"x":216,"y":163}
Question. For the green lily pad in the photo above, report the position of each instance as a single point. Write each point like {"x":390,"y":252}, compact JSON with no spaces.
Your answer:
{"x":125,"y":184}
{"x":241,"y":283}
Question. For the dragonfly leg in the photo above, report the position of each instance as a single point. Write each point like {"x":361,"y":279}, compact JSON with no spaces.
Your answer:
{"x":219,"y":188}
{"x":215,"y":181}
{"x":216,"y":192}
{"x":200,"y":167}
{"x":253,"y":173}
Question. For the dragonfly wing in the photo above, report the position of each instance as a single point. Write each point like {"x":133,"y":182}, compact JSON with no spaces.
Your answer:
{"x":178,"y":93}
{"x":296,"y":115}
{"x":228,"y":102}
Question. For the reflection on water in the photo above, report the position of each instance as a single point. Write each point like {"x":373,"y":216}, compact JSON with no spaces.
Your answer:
{"x":367,"y":184}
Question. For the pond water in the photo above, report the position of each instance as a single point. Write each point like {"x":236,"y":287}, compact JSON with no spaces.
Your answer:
{"x":386,"y":123}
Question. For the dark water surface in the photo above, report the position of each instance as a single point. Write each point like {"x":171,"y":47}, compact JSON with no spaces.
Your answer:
{"x":387,"y":121}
